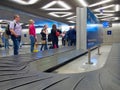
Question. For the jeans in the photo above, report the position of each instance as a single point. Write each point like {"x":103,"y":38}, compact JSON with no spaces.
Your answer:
{"x":45,"y":47}
{"x":15,"y":44}
{"x":6,"y":43}
{"x":32,"y":39}
{"x":19,"y":39}
{"x":69,"y":42}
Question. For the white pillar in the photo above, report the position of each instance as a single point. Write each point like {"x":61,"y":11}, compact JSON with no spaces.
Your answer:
{"x":81,"y":28}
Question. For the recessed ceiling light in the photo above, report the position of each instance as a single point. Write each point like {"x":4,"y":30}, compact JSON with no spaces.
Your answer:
{"x":106,"y":7}
{"x":71,"y":17}
{"x":99,"y":3}
{"x":83,"y":3}
{"x":24,"y":2}
{"x":60,"y":14}
{"x":63,"y":5}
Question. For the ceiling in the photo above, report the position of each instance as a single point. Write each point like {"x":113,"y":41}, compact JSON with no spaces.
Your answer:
{"x":62,"y":9}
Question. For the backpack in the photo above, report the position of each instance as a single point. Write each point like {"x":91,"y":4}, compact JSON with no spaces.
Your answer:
{"x":7,"y":30}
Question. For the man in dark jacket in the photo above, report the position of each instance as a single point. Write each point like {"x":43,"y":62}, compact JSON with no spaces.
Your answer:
{"x":72,"y":36}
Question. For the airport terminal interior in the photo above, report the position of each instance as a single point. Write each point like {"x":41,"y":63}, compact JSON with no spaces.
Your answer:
{"x":59,"y":45}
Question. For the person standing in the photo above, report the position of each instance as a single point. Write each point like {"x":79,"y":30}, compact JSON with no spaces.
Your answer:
{"x":72,"y":36}
{"x":68,"y":36}
{"x":44,"y":34}
{"x":15,"y":29}
{"x":63,"y":38}
{"x":6,"y":40}
{"x":32,"y":33}
{"x":54,"y":36}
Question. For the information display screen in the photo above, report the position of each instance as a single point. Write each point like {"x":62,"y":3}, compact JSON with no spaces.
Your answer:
{"x":93,"y":30}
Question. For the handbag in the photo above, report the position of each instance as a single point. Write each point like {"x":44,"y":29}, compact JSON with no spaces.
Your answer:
{"x":43,"y":42}
{"x":57,"y":33}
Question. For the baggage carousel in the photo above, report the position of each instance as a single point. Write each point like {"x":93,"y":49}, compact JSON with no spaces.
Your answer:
{"x":22,"y":73}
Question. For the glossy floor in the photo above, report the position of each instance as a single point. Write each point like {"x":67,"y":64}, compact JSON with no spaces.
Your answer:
{"x":9,"y":52}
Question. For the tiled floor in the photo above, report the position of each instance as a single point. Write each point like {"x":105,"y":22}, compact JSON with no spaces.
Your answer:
{"x":79,"y":65}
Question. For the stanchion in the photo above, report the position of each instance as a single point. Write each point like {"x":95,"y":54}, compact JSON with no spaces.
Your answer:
{"x":89,"y":57}
{"x":99,"y":50}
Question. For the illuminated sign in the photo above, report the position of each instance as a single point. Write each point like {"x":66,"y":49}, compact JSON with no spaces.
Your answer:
{"x":107,"y":24}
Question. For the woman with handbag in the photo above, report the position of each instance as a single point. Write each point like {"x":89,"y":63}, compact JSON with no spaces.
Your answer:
{"x":44,"y":34}
{"x":54,"y":36}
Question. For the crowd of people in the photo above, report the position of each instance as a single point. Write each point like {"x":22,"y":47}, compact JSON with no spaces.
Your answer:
{"x":68,"y":37}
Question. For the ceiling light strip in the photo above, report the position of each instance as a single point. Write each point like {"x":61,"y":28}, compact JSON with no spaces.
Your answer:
{"x":98,"y":9}
{"x":71,"y":17}
{"x":83,"y":3}
{"x":71,"y":21}
{"x":105,"y":14}
{"x":117,"y":7}
{"x":49,"y":5}
{"x":99,"y":3}
{"x":111,"y":18}
{"x":61,"y":3}
{"x":25,"y":2}
{"x":64,"y":4}
{"x":56,"y":14}
{"x":103,"y":17}
{"x":106,"y":11}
